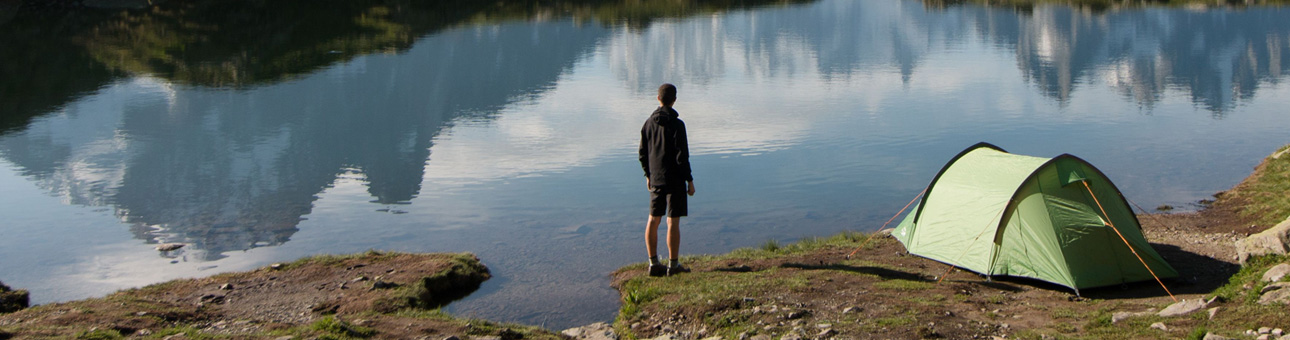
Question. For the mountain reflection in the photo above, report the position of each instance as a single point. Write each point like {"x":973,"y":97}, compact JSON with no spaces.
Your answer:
{"x":231,"y":117}
{"x":235,"y":169}
{"x":1220,"y":57}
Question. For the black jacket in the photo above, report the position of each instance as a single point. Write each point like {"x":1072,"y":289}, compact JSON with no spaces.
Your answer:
{"x":664,"y":150}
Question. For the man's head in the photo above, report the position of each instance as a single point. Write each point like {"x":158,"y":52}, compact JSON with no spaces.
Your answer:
{"x":667,"y":94}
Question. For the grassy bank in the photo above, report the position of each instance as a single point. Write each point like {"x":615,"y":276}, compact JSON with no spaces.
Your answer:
{"x":378,"y":295}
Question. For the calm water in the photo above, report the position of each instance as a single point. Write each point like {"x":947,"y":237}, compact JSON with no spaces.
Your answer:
{"x":256,"y":137}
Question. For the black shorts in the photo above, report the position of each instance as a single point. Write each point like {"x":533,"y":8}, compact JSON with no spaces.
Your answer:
{"x":671,"y":202}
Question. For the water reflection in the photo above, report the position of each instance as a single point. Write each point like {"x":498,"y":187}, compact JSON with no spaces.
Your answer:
{"x":232,"y":170}
{"x":1219,"y":57}
{"x":222,"y":131}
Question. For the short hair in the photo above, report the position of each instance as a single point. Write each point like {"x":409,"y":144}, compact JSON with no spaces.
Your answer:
{"x":667,"y":93}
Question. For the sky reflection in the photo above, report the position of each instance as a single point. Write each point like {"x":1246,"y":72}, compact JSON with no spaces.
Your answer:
{"x":515,"y":140}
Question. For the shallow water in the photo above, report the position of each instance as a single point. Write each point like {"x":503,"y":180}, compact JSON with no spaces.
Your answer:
{"x":511,"y":133}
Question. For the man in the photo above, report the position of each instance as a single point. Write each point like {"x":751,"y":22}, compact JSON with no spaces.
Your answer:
{"x":665,"y":157}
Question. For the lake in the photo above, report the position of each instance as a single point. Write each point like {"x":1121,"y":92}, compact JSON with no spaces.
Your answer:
{"x":257,"y":132}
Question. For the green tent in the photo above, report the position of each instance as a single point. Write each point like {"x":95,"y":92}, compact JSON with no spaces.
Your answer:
{"x":1000,"y":214}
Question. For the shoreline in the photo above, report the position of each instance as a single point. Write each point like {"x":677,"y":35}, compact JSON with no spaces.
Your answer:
{"x":809,"y":289}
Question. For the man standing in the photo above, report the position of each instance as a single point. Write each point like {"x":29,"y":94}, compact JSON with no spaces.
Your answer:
{"x":665,"y":157}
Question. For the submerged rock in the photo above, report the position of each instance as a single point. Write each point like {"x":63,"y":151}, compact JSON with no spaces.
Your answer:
{"x":169,"y":246}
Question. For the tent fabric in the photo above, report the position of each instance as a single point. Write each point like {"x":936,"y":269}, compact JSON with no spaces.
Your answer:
{"x":1001,"y":214}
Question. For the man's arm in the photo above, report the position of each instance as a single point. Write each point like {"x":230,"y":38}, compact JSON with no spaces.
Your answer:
{"x":644,"y":157}
{"x":683,"y":158}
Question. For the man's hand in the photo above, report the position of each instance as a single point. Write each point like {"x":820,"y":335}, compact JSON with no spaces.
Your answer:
{"x":647,"y":186}
{"x":690,"y":188}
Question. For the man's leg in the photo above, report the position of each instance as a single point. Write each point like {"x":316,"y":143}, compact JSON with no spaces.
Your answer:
{"x":651,"y":235}
{"x":673,"y":238}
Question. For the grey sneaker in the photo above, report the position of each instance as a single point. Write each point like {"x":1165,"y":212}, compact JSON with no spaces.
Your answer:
{"x":657,"y":270}
{"x":677,"y":269}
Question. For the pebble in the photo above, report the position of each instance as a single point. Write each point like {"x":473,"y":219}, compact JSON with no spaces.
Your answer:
{"x":1160,"y":326}
{"x":169,"y":246}
{"x":1265,"y":330}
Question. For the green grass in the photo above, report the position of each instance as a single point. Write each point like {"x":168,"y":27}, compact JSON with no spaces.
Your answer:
{"x":99,"y":334}
{"x":337,"y":329}
{"x":1269,"y":203}
{"x":1249,"y":275}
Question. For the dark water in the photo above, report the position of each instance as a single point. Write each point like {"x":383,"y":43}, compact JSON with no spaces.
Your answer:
{"x":262,"y":131}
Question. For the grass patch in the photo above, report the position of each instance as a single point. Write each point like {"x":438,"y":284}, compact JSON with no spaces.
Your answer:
{"x":337,"y":329}
{"x":1262,"y":197}
{"x":1249,"y":275}
{"x":770,"y":246}
{"x":99,"y":334}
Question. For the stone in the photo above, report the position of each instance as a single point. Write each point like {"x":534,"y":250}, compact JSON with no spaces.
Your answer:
{"x":1277,"y":332}
{"x":665,"y":337}
{"x":1183,"y":307}
{"x":1160,"y":326}
{"x":226,"y":286}
{"x":1274,"y":286}
{"x":1276,"y":295}
{"x":1263,"y":337}
{"x":1212,"y":336}
{"x":595,"y":331}
{"x":826,"y":333}
{"x":760,"y":337}
{"x":1265,"y":330}
{"x":169,"y":246}
{"x":850,"y":310}
{"x":1121,"y":316}
{"x":713,"y":338}
{"x":791,"y":336}
{"x":1213,"y":312}
{"x":1277,"y":272}
{"x":1275,"y":240}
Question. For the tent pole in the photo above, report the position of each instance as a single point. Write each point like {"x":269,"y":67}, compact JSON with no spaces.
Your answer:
{"x":884,"y":225}
{"x":1126,"y":242}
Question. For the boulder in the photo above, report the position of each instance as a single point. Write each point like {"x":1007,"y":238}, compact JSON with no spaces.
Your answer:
{"x":1276,"y":272}
{"x":13,"y":300}
{"x":1183,"y":307}
{"x":1275,"y":240}
{"x":1275,"y":293}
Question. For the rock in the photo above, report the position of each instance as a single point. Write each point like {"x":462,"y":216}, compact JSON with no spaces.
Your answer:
{"x":1274,"y":286}
{"x":795,"y":315}
{"x":760,"y":337}
{"x":791,"y":336}
{"x":1213,"y":312}
{"x":595,"y":331}
{"x":1277,"y":332}
{"x":276,"y":266}
{"x":1265,"y":330}
{"x":1276,"y":272}
{"x":712,"y":338}
{"x":1183,"y":307}
{"x":850,"y":310}
{"x":826,"y":333}
{"x":452,"y":337}
{"x":665,"y":337}
{"x":1121,"y":316}
{"x":1160,"y":326}
{"x":169,"y":246}
{"x":226,"y":286}
{"x":1275,"y":240}
{"x":1263,"y":337}
{"x":13,"y":300}
{"x":1212,"y":336}
{"x":1277,"y":294}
